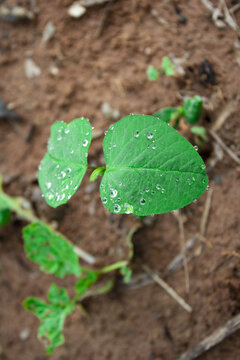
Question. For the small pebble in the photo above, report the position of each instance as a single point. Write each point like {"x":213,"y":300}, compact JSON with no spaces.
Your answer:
{"x":182,"y":20}
{"x":24,"y":334}
{"x":76,"y":10}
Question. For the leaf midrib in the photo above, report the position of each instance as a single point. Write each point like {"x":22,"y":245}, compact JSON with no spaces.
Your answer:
{"x":151,"y":169}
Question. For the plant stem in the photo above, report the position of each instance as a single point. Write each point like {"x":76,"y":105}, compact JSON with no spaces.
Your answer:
{"x":114,"y":266}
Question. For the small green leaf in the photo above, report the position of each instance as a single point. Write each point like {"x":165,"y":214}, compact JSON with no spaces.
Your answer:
{"x":152,"y":73}
{"x":84,"y":283}
{"x":200,"y":131}
{"x":151,"y":169}
{"x":51,"y":316}
{"x":65,"y":164}
{"x":168,"y":66}
{"x":126,"y":272}
{"x":97,"y":172}
{"x":5,"y":216}
{"x":166,"y":114}
{"x":192,"y":109}
{"x":50,"y":250}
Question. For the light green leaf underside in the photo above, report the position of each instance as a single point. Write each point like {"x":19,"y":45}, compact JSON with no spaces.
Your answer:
{"x":65,"y":164}
{"x":50,"y":250}
{"x":150,"y":168}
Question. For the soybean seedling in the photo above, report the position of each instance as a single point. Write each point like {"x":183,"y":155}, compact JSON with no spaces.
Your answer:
{"x":150,"y":169}
{"x":168,"y":69}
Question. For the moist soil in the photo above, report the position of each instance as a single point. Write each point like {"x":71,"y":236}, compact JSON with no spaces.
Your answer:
{"x":103,"y":57}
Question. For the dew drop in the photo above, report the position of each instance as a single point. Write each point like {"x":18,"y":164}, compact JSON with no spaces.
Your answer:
{"x":104,"y":200}
{"x":75,"y":188}
{"x":128,"y":209}
{"x":59,"y":138}
{"x":158,"y":187}
{"x":177,"y":179}
{"x":116,"y":208}
{"x":62,"y":197}
{"x":48,"y":185}
{"x":66,"y":131}
{"x":87,"y":133}
{"x":142,"y":201}
{"x":92,"y":127}
{"x":113,"y":193}
{"x":69,"y":170}
{"x":196,"y":147}
{"x":154,"y":147}
{"x":162,"y":190}
{"x":147,"y":190}
{"x":63,"y":174}
{"x":203,"y":167}
{"x":50,"y":196}
{"x":136,"y":134}
{"x":114,"y":145}
{"x":149,"y":135}
{"x":69,"y":197}
{"x":85,"y":142}
{"x":71,"y":151}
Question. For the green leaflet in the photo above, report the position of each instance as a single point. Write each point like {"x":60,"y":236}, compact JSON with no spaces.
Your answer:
{"x":192,"y":109}
{"x":50,"y":250}
{"x":51,"y":316}
{"x":64,"y":165}
{"x":84,"y":283}
{"x":166,"y":114}
{"x":152,"y":73}
{"x":150,"y":168}
{"x":126,"y":272}
{"x":200,"y":131}
{"x":5,"y":216}
{"x":168,"y":66}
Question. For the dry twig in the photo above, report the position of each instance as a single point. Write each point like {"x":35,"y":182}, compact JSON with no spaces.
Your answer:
{"x":206,"y":211}
{"x":177,"y":214}
{"x":168,"y":289}
{"x":224,"y":147}
{"x":215,"y":338}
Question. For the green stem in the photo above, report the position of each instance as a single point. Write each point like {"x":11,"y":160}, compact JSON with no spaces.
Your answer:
{"x":114,"y":266}
{"x":92,"y":167}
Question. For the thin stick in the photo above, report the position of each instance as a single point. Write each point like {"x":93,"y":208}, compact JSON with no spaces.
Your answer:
{"x":234,"y":8}
{"x":84,"y":255}
{"x":176,"y":263}
{"x":215,"y":338}
{"x":168,"y":289}
{"x":177,"y":213}
{"x":224,"y":147}
{"x":206,"y":212}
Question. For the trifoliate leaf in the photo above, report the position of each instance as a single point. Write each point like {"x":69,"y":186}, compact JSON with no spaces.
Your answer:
{"x":168,"y":66}
{"x":192,"y":109}
{"x":84,"y":283}
{"x":51,"y":316}
{"x":50,"y":250}
{"x":64,"y":165}
{"x":150,"y":168}
{"x":152,"y":73}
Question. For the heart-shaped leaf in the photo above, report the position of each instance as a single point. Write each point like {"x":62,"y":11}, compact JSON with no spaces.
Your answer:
{"x":64,"y":165}
{"x":150,"y":168}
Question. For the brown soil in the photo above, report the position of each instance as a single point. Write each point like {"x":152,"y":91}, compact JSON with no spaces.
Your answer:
{"x":144,"y":323}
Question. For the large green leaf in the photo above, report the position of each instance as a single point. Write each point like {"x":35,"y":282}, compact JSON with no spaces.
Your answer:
{"x":50,"y":250}
{"x":51,"y":315}
{"x":150,"y":168}
{"x":64,"y":165}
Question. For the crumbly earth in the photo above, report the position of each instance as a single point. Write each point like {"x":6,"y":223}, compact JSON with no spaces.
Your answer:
{"x":101,"y":61}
